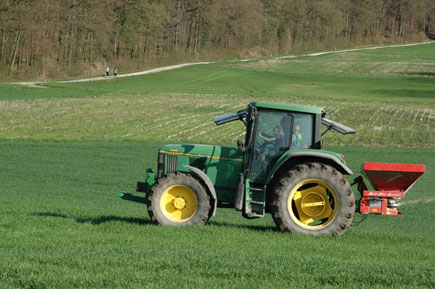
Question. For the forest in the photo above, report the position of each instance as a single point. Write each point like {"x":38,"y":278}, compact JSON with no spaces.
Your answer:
{"x":46,"y":39}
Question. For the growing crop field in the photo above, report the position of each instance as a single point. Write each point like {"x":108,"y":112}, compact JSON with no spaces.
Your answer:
{"x":67,"y":148}
{"x":389,"y":106}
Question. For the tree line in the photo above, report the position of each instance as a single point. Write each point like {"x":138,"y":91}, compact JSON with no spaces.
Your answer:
{"x":52,"y":39}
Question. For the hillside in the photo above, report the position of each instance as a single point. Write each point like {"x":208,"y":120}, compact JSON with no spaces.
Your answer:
{"x":386,"y":94}
{"x":66,"y":148}
{"x":62,"y":226}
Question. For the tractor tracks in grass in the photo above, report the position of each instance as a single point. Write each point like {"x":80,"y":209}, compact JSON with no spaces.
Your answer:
{"x":39,"y":84}
{"x":134,"y":118}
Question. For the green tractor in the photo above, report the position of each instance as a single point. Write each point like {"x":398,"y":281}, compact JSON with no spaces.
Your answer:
{"x":280,"y":168}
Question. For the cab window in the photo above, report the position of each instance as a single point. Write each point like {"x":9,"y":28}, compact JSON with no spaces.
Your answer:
{"x":302,"y":136}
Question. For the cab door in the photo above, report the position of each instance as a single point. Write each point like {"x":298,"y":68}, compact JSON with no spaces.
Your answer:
{"x":271,"y":137}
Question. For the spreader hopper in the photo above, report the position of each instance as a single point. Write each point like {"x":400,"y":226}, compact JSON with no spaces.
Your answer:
{"x":390,"y":183}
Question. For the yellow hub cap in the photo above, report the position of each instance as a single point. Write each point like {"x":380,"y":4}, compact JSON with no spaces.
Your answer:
{"x":312,"y":204}
{"x":178,"y":203}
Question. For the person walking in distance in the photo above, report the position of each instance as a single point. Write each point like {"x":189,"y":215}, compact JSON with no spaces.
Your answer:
{"x":107,"y":70}
{"x":115,"y":71}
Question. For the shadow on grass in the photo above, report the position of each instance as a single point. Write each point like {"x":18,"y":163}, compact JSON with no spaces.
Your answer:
{"x":104,"y":219}
{"x":248,"y":227}
{"x":420,"y":73}
{"x":97,"y":220}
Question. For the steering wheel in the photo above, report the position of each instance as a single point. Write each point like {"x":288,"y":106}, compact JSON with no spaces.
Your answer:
{"x":266,"y":144}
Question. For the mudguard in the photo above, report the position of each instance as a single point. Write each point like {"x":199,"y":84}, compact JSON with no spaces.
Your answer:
{"x":207,"y":182}
{"x":309,"y":156}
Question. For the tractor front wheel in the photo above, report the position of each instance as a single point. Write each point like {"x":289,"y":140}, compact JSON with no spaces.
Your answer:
{"x":313,"y":199}
{"x":178,"y":199}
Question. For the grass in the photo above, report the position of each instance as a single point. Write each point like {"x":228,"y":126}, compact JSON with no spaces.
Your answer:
{"x":386,"y":94}
{"x":62,"y":226}
{"x":395,"y":75}
{"x":66,"y":149}
{"x":181,"y":118}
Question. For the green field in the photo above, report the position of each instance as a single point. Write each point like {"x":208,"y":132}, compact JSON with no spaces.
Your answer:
{"x":389,"y":102}
{"x":66,"y":149}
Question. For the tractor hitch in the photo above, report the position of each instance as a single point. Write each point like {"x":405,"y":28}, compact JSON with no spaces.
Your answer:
{"x":130,"y":197}
{"x":390,"y":183}
{"x":141,"y":187}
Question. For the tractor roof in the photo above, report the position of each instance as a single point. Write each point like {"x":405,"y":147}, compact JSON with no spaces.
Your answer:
{"x":289,"y":107}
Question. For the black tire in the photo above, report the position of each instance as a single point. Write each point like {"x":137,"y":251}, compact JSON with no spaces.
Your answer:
{"x":313,"y":199}
{"x":173,"y":191}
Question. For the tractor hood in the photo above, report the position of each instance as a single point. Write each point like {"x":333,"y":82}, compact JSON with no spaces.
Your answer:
{"x":211,"y":152}
{"x":221,"y":164}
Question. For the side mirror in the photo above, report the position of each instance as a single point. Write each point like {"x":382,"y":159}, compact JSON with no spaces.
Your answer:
{"x":240,"y":145}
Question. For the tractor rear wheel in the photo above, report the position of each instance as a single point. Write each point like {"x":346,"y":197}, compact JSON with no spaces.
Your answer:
{"x":313,"y":199}
{"x":178,"y":199}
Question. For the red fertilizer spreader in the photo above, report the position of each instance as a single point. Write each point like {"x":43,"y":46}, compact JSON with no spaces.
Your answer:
{"x":390,"y":183}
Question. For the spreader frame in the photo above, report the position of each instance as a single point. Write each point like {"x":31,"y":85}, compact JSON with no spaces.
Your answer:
{"x":390,"y":182}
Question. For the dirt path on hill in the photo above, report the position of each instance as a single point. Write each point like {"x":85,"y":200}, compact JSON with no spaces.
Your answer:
{"x":356,"y":49}
{"x":155,"y":70}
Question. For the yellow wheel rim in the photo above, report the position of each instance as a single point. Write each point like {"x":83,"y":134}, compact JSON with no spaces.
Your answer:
{"x":178,"y":203}
{"x":312,"y":204}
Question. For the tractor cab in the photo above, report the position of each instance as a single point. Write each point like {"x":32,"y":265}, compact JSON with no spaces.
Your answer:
{"x":271,"y":132}
{"x":274,"y":129}
{"x":278,"y":136}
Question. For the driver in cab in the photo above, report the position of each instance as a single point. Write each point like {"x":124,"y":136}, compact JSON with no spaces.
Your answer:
{"x":277,"y":138}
